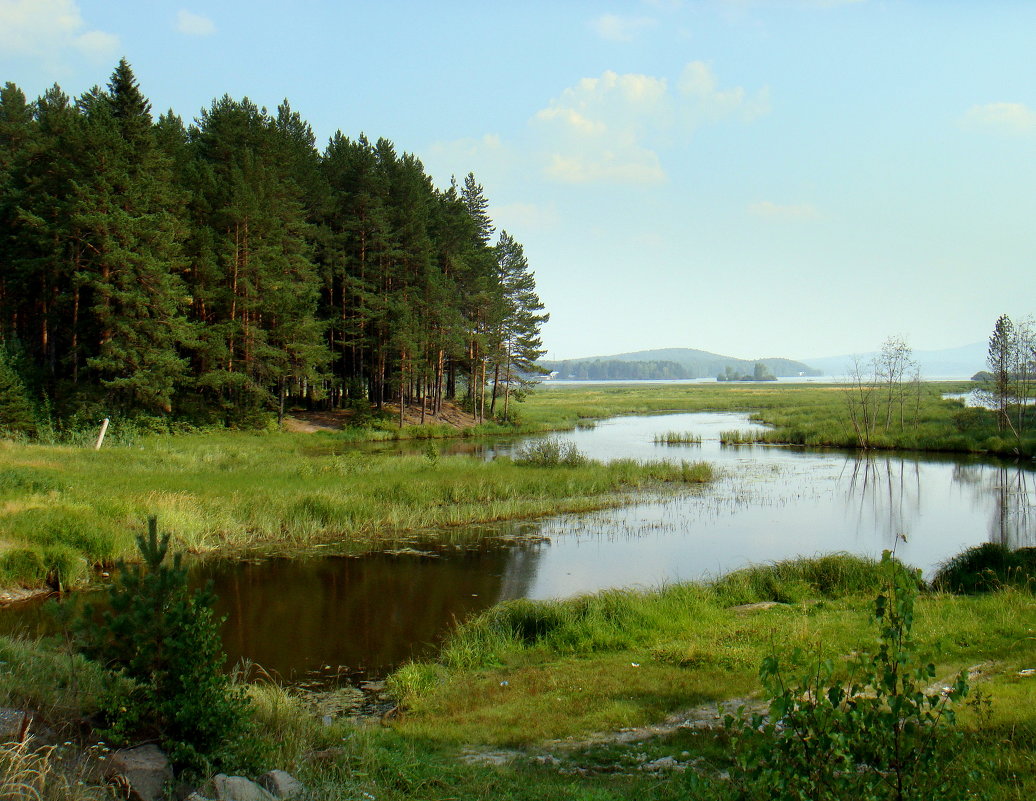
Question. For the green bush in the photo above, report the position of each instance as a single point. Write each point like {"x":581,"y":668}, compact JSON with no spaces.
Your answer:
{"x":165,"y":640}
{"x":877,"y":729}
{"x":550,"y":452}
{"x":987,"y":567}
{"x":17,"y":415}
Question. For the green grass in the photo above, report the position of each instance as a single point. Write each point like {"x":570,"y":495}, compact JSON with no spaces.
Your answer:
{"x":64,"y":508}
{"x":799,"y":414}
{"x":525,"y":673}
{"x":686,"y":642}
{"x":677,"y":438}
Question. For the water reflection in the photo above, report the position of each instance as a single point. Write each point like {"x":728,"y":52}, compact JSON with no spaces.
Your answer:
{"x":315,"y":617}
{"x":359,"y":615}
{"x":1010,"y":492}
{"x":884,"y":493}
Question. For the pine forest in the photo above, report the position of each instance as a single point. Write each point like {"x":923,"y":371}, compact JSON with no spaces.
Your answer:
{"x":227,"y":270}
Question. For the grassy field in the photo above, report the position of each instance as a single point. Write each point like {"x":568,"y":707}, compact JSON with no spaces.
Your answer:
{"x":63,"y":508}
{"x":534,"y":700}
{"x":800,"y":414}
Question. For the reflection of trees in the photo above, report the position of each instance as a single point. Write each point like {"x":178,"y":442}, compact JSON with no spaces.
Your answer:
{"x":884,"y":491}
{"x":370,"y":612}
{"x":1012,"y":491}
{"x":520,"y":571}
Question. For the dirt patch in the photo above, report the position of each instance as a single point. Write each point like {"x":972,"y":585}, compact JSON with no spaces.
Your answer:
{"x":334,"y":420}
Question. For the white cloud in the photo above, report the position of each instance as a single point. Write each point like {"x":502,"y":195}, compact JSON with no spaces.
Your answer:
{"x":793,"y":3}
{"x":194,"y":24}
{"x":627,"y":166}
{"x":524,"y":216}
{"x":795,"y":212}
{"x":1009,"y":118}
{"x":616,"y":28}
{"x":605,"y":129}
{"x":608,"y":129}
{"x":49,"y":30}
{"x":699,"y":86}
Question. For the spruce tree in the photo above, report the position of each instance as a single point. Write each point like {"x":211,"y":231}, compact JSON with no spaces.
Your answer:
{"x":127,"y":213}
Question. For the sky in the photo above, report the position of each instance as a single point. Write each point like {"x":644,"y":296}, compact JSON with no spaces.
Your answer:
{"x":756,"y":178}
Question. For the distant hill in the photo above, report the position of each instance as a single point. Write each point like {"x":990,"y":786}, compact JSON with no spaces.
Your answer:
{"x":670,"y":363}
{"x":962,"y":362}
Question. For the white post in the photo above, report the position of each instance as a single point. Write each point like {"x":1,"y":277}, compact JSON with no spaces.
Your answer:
{"x":100,"y":437}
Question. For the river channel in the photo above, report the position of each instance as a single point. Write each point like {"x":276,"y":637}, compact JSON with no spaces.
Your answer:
{"x":318,"y":618}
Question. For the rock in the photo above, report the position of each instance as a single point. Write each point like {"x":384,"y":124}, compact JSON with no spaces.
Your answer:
{"x":238,"y":788}
{"x":662,"y":765}
{"x":755,"y":607}
{"x":327,"y":755}
{"x":196,"y":796}
{"x":14,"y":724}
{"x":144,"y":772}
{"x":281,"y":784}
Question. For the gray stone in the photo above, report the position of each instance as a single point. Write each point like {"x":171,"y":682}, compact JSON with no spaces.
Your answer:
{"x":238,"y":788}
{"x":662,"y":765}
{"x":756,"y":607}
{"x":144,"y":772}
{"x":282,"y":784}
{"x":14,"y":724}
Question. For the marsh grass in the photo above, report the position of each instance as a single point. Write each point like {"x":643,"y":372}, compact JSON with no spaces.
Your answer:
{"x":813,"y":415}
{"x":677,"y":438}
{"x":32,"y":773}
{"x":988,"y":567}
{"x":63,"y":509}
{"x":527,"y":670}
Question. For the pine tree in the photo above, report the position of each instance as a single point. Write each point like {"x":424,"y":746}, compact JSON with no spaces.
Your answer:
{"x":130,"y":273}
{"x":16,"y":412}
{"x":253,"y":279}
{"x":521,"y":317}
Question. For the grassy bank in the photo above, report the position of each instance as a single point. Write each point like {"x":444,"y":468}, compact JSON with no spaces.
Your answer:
{"x":800,"y":414}
{"x":63,"y":508}
{"x":482,"y":722}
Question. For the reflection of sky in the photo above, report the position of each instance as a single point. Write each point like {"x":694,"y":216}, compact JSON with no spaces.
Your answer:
{"x":300,"y":616}
{"x":770,"y":503}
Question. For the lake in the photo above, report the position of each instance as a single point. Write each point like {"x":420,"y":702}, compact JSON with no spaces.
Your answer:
{"x":318,"y":619}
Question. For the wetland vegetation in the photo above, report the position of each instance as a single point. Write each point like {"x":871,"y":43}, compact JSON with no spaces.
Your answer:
{"x":604,"y":696}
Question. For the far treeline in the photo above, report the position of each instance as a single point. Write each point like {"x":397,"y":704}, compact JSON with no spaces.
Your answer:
{"x":222,"y":270}
{"x":620,"y":370}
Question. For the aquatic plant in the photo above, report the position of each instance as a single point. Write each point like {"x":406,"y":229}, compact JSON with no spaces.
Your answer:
{"x":987,"y":567}
{"x":677,"y":438}
{"x":550,"y":452}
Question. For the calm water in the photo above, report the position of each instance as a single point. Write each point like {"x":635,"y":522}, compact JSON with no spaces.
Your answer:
{"x":313,"y":619}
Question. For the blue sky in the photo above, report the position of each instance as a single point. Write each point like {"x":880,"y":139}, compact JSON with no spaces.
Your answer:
{"x":758,"y":178}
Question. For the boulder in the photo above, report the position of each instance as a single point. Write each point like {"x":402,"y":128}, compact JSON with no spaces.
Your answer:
{"x":14,"y":724}
{"x":144,"y":772}
{"x":238,"y":788}
{"x":281,"y":784}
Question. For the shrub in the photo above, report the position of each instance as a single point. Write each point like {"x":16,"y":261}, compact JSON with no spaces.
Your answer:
{"x":550,"y":452}
{"x":985,"y":568}
{"x":165,"y":640}
{"x":16,"y":410}
{"x":878,"y":731}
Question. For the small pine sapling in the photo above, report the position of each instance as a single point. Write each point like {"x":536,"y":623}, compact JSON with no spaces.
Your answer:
{"x":164,"y":638}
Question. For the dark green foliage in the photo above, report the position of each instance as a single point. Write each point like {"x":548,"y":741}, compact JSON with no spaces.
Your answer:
{"x":229,"y":270}
{"x":163,"y":638}
{"x":987,"y":567}
{"x":794,"y":580}
{"x":550,"y":452}
{"x":16,"y":410}
{"x":875,"y":728}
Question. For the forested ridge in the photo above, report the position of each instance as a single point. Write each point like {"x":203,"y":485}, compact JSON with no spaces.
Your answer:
{"x":227,"y":269}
